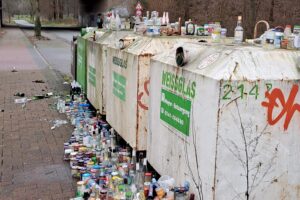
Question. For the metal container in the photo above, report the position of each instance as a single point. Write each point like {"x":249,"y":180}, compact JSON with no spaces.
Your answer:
{"x":94,"y":70}
{"x":81,"y":61}
{"x":128,"y":87}
{"x":228,"y":121}
{"x":96,"y":66}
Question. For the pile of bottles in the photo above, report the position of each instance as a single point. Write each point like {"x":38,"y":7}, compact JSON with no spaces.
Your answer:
{"x":113,"y":21}
{"x":282,"y":38}
{"x":106,"y":170}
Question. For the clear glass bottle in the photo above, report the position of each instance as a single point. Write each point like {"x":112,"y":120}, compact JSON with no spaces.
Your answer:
{"x":216,"y":33}
{"x":287,"y":31}
{"x":239,"y":31}
{"x":133,"y":160}
{"x":139,"y":180}
{"x":118,"y":21}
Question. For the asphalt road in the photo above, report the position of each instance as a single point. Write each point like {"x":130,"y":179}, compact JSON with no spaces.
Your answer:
{"x":55,"y":52}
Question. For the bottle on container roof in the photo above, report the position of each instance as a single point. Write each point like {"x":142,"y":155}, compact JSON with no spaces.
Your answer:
{"x":287,"y":31}
{"x":239,"y":31}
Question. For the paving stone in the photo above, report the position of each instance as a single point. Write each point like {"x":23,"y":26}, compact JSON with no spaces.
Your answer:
{"x":31,"y":155}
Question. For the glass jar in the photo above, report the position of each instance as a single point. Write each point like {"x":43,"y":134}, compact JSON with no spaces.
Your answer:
{"x":216,"y":33}
{"x":80,"y":189}
{"x":180,"y":195}
{"x":290,"y":44}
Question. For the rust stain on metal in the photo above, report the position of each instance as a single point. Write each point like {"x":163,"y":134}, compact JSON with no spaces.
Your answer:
{"x":217,"y":138}
{"x":234,"y":70}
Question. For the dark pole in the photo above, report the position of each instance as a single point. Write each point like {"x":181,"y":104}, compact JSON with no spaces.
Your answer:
{"x":0,"y":13}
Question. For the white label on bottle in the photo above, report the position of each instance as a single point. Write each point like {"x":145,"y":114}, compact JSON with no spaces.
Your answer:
{"x":238,"y":35}
{"x":297,"y":41}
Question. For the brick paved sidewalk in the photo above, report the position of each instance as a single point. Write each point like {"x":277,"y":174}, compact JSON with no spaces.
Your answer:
{"x":31,"y":154}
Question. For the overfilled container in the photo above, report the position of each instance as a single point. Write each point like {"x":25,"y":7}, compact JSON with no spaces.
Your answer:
{"x":128,"y":86}
{"x":97,"y":64}
{"x":81,"y":60}
{"x":227,"y":121}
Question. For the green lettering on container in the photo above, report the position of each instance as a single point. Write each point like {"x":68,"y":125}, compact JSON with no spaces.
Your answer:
{"x":175,"y":111}
{"x":119,"y":86}
{"x":120,"y":62}
{"x":178,"y":84}
{"x":92,"y":76}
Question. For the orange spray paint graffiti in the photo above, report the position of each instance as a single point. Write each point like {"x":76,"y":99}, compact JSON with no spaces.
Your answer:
{"x":289,"y":107}
{"x":140,"y":96}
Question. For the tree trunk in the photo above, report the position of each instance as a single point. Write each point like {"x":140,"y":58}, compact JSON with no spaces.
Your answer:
{"x":75,"y":9}
{"x":68,"y":8}
{"x":54,"y":9}
{"x":38,"y":26}
{"x":60,"y":9}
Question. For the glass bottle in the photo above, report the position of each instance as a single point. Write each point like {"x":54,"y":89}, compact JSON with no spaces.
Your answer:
{"x":216,"y":33}
{"x":239,"y":31}
{"x":287,"y":31}
{"x":133,"y":160}
{"x":139,"y":182}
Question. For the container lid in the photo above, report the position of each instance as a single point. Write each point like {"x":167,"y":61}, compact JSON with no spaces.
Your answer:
{"x":80,"y":183}
{"x":114,"y":173}
{"x":86,"y":175}
{"x":74,"y":167}
{"x":68,"y":151}
{"x":96,"y":167}
{"x":90,"y":163}
{"x":73,"y":153}
{"x":148,"y":174}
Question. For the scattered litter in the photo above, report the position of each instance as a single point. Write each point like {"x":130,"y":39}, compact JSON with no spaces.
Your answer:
{"x":21,"y":101}
{"x":19,"y":94}
{"x":76,"y":87}
{"x":66,"y":83}
{"x":57,"y":123}
{"x":44,"y":96}
{"x":61,"y":106}
{"x":14,"y":70}
{"x":38,"y":81}
{"x":67,"y":79}
{"x":39,"y":97}
{"x":23,"y":105}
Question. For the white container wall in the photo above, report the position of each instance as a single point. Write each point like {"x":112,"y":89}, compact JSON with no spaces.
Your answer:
{"x":128,"y":87}
{"x":96,"y":66}
{"x":228,"y":121}
{"x":95,"y":72}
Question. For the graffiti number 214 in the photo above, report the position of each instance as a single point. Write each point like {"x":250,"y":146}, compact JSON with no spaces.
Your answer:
{"x":241,"y":89}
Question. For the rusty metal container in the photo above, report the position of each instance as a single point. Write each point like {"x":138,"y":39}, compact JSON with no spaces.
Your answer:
{"x":128,"y":87}
{"x":227,"y":121}
{"x":96,"y":65}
